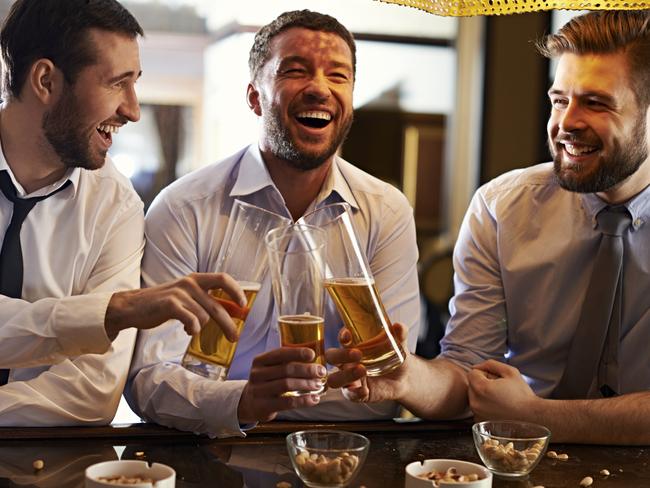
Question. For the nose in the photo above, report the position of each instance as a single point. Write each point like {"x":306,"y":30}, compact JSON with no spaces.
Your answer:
{"x":571,"y":118}
{"x":130,"y":107}
{"x":318,"y":88}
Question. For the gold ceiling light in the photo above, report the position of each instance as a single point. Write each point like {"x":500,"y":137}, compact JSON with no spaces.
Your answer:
{"x":463,"y":8}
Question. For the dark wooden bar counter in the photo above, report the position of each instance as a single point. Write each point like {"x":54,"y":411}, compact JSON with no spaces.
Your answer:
{"x":261,"y":460}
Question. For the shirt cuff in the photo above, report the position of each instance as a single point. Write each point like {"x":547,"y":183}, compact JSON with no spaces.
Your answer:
{"x":219,"y":407}
{"x":79,"y":322}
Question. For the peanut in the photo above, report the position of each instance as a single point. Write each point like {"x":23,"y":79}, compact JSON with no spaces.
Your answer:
{"x":38,"y":464}
{"x":505,"y":457}
{"x":318,"y":468}
{"x":586,"y":481}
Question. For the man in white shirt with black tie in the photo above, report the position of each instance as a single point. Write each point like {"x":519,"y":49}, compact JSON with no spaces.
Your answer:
{"x":71,"y":225}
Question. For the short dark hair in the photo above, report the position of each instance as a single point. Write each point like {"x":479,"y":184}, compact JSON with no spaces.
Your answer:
{"x":606,"y":32}
{"x":56,"y":30}
{"x":306,"y":19}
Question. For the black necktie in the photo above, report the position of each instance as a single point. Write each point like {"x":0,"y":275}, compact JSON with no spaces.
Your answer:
{"x":594,"y":348}
{"x":11,"y":255}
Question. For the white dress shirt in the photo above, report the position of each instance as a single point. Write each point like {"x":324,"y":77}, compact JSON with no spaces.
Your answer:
{"x":79,"y":246}
{"x":523,"y":261}
{"x":184,"y":228}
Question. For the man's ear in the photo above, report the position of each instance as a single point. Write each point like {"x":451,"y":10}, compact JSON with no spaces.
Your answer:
{"x":253,"y":99}
{"x":43,"y":80}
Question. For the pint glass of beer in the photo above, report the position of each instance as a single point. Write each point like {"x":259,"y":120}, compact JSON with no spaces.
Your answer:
{"x":297,"y":261}
{"x":350,"y":284}
{"x":243,"y":256}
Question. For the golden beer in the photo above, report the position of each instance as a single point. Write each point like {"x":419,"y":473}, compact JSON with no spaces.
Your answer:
{"x":360,"y":307}
{"x":211,"y":345}
{"x":304,"y":331}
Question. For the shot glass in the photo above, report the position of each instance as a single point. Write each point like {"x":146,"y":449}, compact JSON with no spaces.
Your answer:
{"x":350,"y":284}
{"x":243,"y":256}
{"x":296,"y":261}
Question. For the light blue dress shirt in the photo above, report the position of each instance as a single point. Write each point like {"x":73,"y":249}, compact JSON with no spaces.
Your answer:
{"x":522,"y":265}
{"x":184,"y":229}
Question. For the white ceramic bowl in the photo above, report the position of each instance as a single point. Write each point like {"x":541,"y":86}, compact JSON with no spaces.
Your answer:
{"x":163,"y":476}
{"x":413,"y":470}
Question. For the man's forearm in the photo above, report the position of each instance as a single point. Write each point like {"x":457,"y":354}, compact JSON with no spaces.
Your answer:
{"x":435,"y":389}
{"x":623,"y":420}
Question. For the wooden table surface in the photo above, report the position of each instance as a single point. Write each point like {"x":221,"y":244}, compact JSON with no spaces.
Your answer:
{"x":261,"y":460}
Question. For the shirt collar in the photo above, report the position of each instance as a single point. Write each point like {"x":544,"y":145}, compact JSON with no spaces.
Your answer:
{"x":254,"y":176}
{"x":638,"y":206}
{"x":71,"y":174}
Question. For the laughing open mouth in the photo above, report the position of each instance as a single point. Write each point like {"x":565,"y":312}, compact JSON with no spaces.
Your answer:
{"x":106,"y":131}
{"x":315,"y":120}
{"x":579,"y":149}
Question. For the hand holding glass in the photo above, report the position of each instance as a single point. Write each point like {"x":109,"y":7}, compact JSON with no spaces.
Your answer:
{"x":350,"y":283}
{"x":242,"y":256}
{"x":296,"y":261}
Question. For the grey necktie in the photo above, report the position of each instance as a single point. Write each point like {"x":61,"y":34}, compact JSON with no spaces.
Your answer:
{"x":594,"y":348}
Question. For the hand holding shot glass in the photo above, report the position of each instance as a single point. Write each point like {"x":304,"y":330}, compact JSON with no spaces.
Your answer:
{"x":350,"y":283}
{"x":242,"y":256}
{"x":297,"y":262}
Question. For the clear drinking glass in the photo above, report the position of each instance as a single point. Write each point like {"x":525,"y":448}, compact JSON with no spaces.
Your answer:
{"x":350,"y":284}
{"x":297,"y":262}
{"x":243,"y":256}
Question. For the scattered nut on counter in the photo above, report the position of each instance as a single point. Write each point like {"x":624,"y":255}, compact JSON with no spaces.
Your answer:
{"x":506,"y":458}
{"x":318,"y":468}
{"x":538,"y":486}
{"x":139,"y":453}
{"x":604,"y":472}
{"x":38,"y":464}
{"x":283,"y":484}
{"x":551,"y":454}
{"x":563,"y":457}
{"x":449,"y":476}
{"x":125,"y":480}
{"x":586,"y":481}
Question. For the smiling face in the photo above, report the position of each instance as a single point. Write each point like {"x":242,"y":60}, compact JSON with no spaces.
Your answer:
{"x":304,"y":95}
{"x":80,"y":125}
{"x":597,"y":131}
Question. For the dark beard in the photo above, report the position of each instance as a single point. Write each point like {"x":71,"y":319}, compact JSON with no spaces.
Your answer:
{"x":625,"y":160}
{"x":67,"y":136}
{"x":283,"y":147}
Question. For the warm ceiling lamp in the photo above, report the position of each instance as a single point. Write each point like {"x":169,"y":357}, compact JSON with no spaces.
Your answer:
{"x":461,"y":8}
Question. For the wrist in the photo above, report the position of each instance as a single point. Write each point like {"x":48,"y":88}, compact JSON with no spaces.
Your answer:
{"x":112,"y":318}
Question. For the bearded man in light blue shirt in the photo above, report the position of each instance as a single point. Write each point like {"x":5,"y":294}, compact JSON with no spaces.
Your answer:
{"x":526,"y":257}
{"x":302,"y":76}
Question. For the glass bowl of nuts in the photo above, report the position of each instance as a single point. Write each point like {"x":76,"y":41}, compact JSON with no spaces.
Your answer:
{"x":510,"y":448}
{"x":327,"y":458}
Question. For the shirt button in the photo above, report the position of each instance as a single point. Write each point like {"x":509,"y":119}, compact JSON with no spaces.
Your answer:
{"x":637,"y":223}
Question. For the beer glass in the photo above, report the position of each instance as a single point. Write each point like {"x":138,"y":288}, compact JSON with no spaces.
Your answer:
{"x":296,"y":261}
{"x":243,"y":256}
{"x":350,"y":284}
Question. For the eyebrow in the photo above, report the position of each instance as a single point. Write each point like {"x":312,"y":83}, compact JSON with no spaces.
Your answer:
{"x":128,"y":74}
{"x":302,"y":60}
{"x":589,"y":94}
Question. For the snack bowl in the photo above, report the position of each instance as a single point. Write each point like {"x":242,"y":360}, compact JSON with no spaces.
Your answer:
{"x":327,"y":458}
{"x":510,"y":448}
{"x":108,"y":473}
{"x":423,"y":474}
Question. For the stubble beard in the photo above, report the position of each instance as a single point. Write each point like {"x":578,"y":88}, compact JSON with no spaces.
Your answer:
{"x":626,"y":158}
{"x":68,"y":137}
{"x":283,"y":146}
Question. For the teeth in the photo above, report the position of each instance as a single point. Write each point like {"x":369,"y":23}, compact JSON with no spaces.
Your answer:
{"x":315,"y":115}
{"x":113,"y":129}
{"x":574,"y":150}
